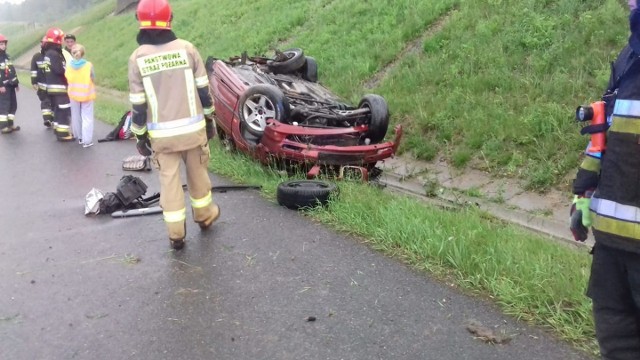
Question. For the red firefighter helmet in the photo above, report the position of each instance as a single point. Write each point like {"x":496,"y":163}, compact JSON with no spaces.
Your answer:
{"x":54,"y":35}
{"x":3,"y":38}
{"x":154,"y":14}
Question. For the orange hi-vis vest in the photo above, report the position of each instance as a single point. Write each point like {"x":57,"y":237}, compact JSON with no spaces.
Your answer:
{"x":81,"y":87}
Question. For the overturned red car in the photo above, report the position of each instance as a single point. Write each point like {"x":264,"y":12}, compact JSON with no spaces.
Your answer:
{"x":275,"y":110}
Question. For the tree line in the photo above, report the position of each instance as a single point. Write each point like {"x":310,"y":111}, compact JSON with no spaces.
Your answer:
{"x":43,"y":11}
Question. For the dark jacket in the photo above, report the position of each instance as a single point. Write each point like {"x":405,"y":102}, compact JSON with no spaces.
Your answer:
{"x":38,"y":76}
{"x":8,"y":75}
{"x":54,"y":68}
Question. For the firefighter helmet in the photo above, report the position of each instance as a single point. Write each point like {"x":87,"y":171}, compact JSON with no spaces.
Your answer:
{"x":54,"y":35}
{"x":3,"y":38}
{"x":154,"y":14}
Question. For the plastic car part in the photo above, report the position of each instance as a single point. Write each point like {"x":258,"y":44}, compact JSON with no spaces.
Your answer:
{"x":309,"y":71}
{"x":259,"y":103}
{"x":287,"y":61}
{"x":378,"y":119}
{"x":297,"y":194}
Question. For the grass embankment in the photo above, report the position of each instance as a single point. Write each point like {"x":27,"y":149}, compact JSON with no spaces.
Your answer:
{"x":484,"y":84}
{"x":488,"y":85}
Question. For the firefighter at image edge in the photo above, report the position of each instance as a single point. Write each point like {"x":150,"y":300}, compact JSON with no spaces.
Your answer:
{"x":172,"y":113}
{"x":8,"y":87}
{"x":607,"y":199}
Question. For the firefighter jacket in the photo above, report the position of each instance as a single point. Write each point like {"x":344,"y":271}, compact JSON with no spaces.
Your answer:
{"x":38,"y":76}
{"x":169,"y":83}
{"x":615,"y":205}
{"x":54,"y":68}
{"x":79,"y":76}
{"x":8,"y":76}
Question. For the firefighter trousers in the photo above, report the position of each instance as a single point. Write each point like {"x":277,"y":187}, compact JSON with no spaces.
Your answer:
{"x":172,"y":193}
{"x":8,"y":107}
{"x":614,"y":287}
{"x":61,"y":106}
{"x":45,"y":106}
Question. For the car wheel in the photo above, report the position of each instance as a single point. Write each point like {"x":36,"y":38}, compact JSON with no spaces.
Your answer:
{"x":297,"y":194}
{"x":288,"y":61}
{"x":378,"y":118}
{"x":310,"y":70}
{"x":259,"y":103}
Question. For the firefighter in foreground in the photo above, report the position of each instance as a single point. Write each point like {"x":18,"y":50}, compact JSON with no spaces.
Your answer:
{"x":172,"y":117}
{"x":39,"y":83}
{"x":607,"y":198}
{"x":54,"y":68}
{"x":8,"y":87}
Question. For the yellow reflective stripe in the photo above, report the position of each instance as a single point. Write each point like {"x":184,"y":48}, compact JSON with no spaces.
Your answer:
{"x":3,"y":118}
{"x":191,"y":92}
{"x":616,"y":226}
{"x":138,"y":130}
{"x":34,"y":74}
{"x":137,"y":98}
{"x":152,"y":98}
{"x":209,"y":110}
{"x":591,"y":164}
{"x":625,"y":125}
{"x":175,"y":216}
{"x":173,"y":124}
{"x":203,"y":202}
{"x":145,"y":23}
{"x":202,"y":81}
{"x":161,"y":23}
{"x":163,"y":133}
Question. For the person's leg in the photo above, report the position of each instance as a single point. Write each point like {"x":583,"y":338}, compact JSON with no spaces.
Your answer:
{"x":13,"y":107}
{"x":4,"y":111}
{"x":172,"y":196}
{"x":205,"y":211}
{"x":62,"y":114}
{"x":76,"y":120}
{"x":45,"y":107}
{"x":87,"y":122}
{"x":614,"y":311}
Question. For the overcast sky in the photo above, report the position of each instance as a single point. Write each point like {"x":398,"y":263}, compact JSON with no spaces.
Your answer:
{"x":11,"y":1}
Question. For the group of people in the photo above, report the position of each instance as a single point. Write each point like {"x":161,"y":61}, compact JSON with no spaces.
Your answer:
{"x":64,"y":82}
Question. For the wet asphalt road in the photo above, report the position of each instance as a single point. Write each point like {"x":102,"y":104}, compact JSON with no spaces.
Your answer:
{"x":71,"y":286}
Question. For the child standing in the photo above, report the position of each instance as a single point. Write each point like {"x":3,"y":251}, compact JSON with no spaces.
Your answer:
{"x":82,"y":93}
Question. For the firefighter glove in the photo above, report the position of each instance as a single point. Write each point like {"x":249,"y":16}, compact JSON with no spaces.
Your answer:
{"x":211,"y":130}
{"x":143,"y":145}
{"x":580,"y":216}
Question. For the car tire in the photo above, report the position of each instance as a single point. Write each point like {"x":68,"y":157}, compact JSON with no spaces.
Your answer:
{"x":298,"y":194}
{"x":309,"y":71}
{"x":259,"y":103}
{"x":294,"y":61}
{"x":378,"y":118}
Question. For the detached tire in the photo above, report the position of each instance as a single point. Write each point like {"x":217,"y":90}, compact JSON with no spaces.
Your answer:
{"x":378,"y":118}
{"x":297,"y":194}
{"x":309,"y":71}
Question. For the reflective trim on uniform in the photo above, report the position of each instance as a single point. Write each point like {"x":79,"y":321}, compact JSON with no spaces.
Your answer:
{"x":34,"y":74}
{"x":11,"y":117}
{"x":151,"y":97}
{"x":169,"y":132}
{"x":191,"y":92}
{"x":138,"y":130}
{"x":615,"y":210}
{"x":202,"y":203}
{"x":46,"y":112}
{"x":627,"y":107}
{"x":175,"y":216}
{"x":64,"y":106}
{"x":62,"y":127}
{"x":3,"y":118}
{"x":137,"y":98}
{"x":202,"y":81}
{"x":590,"y":164}
{"x":209,"y":110}
{"x":625,"y":125}
{"x":167,"y":125}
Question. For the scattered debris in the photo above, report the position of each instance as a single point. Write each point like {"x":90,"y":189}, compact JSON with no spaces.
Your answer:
{"x":310,"y":318}
{"x":486,"y":334}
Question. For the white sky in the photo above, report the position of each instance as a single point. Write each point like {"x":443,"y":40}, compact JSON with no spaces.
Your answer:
{"x":11,"y":1}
